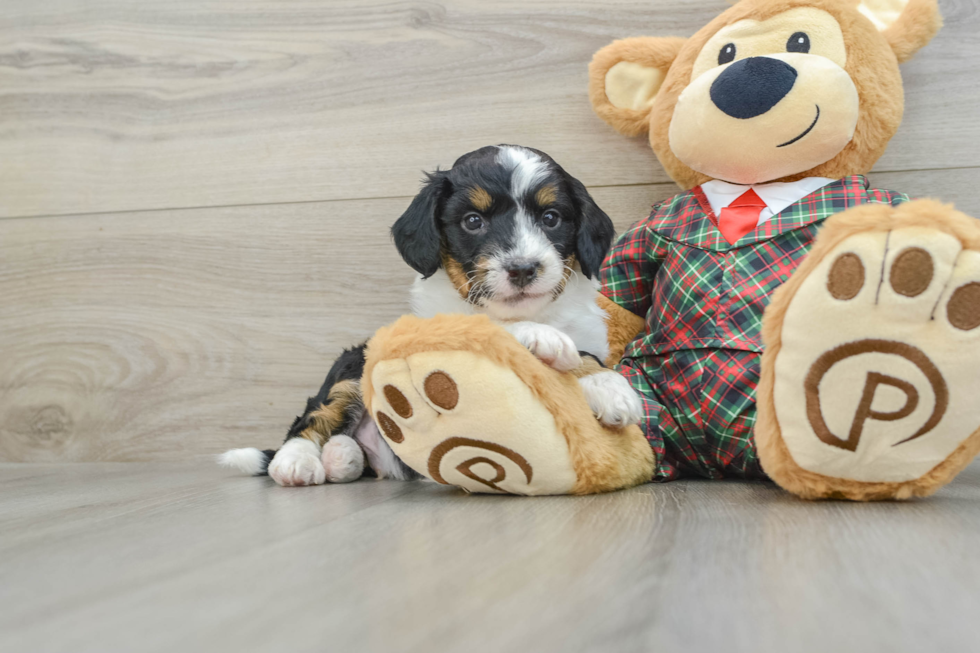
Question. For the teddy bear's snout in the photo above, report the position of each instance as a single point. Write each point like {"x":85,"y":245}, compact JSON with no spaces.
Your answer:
{"x":753,"y":86}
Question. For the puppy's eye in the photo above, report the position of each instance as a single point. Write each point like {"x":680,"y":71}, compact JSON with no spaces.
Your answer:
{"x":727,"y":54}
{"x":472,"y":222}
{"x":550,"y":219}
{"x":799,"y":42}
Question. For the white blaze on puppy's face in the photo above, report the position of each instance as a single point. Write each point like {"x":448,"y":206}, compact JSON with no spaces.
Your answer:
{"x":527,"y":169}
{"x":530,"y":247}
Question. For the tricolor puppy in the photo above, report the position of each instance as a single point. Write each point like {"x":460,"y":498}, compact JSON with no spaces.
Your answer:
{"x":508,"y":233}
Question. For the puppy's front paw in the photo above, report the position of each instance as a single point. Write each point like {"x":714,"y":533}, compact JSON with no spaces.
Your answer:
{"x":612,"y":399}
{"x":297,"y":463}
{"x":549,"y":344}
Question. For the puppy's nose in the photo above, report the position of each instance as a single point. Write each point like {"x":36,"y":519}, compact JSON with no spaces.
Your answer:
{"x":750,"y":87}
{"x":522,"y":274}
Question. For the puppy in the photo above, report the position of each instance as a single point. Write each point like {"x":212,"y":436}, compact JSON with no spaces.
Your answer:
{"x":508,"y":233}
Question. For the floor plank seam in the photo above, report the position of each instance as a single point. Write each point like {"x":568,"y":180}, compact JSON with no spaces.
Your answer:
{"x":206,"y":207}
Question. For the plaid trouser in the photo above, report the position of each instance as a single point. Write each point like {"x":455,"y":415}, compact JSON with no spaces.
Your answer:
{"x":699,"y":411}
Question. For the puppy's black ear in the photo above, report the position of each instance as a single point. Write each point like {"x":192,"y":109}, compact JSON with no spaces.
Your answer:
{"x":595,"y":230}
{"x":416,"y":233}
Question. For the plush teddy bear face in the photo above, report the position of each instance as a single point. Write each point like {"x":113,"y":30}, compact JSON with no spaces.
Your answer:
{"x":768,"y":90}
{"x":777,"y":89}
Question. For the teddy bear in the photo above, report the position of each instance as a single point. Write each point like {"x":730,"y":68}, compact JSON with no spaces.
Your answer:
{"x":779,"y":318}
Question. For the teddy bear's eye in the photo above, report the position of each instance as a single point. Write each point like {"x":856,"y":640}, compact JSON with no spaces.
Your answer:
{"x":799,"y":42}
{"x":727,"y":54}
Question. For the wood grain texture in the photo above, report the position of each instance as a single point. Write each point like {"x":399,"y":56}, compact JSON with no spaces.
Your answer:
{"x":135,"y":336}
{"x":196,"y":197}
{"x":167,"y":335}
{"x":164,"y":335}
{"x":123,"y":105}
{"x":158,"y":557}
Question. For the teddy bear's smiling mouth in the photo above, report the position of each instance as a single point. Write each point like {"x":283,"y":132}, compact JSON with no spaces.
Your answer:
{"x":808,"y":130}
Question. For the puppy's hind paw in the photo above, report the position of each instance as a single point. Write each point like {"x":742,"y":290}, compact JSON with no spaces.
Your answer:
{"x":343,"y":459}
{"x":297,"y":463}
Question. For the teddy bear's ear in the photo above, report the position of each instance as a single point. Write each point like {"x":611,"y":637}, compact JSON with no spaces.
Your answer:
{"x":625,"y":76}
{"x":908,"y":25}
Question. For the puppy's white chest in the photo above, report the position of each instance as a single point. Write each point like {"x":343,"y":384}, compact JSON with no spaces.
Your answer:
{"x":590,"y":335}
{"x":586,"y":327}
{"x":575,"y":312}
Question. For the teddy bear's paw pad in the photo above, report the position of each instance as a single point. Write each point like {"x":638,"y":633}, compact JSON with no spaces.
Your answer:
{"x":463,"y":420}
{"x":876,"y":377}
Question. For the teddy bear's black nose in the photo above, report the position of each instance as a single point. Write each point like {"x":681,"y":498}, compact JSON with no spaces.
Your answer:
{"x":750,"y":87}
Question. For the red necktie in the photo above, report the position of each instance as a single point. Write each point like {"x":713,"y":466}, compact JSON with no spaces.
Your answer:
{"x":741,"y":216}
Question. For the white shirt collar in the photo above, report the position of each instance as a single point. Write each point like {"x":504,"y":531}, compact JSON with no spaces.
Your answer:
{"x":777,"y":195}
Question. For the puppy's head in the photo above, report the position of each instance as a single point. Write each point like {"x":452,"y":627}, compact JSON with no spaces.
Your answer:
{"x":508,"y":225}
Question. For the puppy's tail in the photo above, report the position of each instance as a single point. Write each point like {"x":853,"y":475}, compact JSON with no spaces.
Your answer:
{"x":249,"y":460}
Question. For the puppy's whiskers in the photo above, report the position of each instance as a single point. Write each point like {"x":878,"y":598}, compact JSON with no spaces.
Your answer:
{"x":568,"y":273}
{"x":478,"y":290}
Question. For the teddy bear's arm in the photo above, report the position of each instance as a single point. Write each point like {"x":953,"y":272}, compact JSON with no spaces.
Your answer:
{"x":627,"y":278}
{"x":621,"y":328}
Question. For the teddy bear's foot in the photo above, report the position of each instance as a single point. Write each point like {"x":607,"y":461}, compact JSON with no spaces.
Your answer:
{"x":870,"y":377}
{"x":471,"y":423}
{"x":462,"y":402}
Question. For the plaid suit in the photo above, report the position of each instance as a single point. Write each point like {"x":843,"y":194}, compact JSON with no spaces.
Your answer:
{"x":696,"y":363}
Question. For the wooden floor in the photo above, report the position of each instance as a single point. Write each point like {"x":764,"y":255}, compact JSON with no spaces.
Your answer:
{"x":195,"y":198}
{"x":195,"y":195}
{"x":162,"y":557}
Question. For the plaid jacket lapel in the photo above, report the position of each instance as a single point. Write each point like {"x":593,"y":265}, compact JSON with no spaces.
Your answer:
{"x":814,"y":208}
{"x":687,"y":218}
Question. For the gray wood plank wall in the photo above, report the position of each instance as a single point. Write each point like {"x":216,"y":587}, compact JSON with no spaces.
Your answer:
{"x":195,"y":195}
